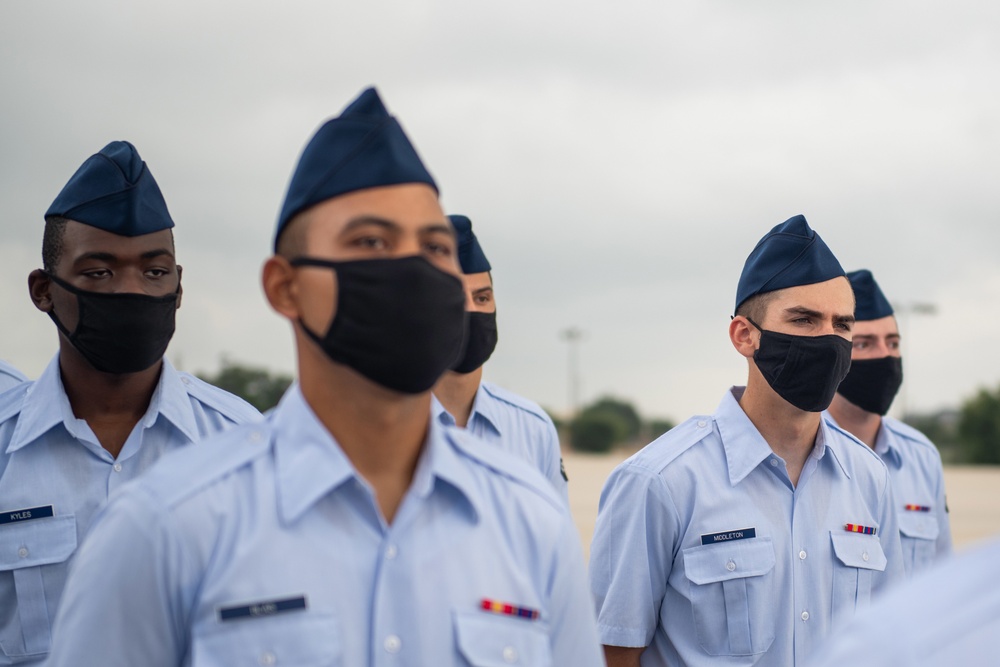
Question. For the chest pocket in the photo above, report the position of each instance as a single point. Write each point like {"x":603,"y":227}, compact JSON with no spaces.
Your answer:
{"x":730,"y":595}
{"x":487,"y":640}
{"x":918,"y":533}
{"x":26,"y":548}
{"x":857,"y":558}
{"x":299,"y":638}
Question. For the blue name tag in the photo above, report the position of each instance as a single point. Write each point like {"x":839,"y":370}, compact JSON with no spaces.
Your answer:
{"x":267,"y":608}
{"x":729,"y":536}
{"x":27,"y":514}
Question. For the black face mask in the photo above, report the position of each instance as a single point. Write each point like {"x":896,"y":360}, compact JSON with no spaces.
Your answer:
{"x":399,"y":322}
{"x":120,"y":332}
{"x":480,"y":341}
{"x":872,"y":383}
{"x":803,"y":370}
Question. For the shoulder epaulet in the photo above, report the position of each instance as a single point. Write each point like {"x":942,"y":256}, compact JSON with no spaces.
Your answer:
{"x":516,"y":400}
{"x":502,"y":463}
{"x":663,"y":451}
{"x":230,"y":405}
{"x":904,"y":430}
{"x":185,"y":471}
{"x":12,"y":400}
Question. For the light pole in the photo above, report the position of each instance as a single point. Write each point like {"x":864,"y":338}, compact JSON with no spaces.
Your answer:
{"x":572,"y":336}
{"x":903,"y":312}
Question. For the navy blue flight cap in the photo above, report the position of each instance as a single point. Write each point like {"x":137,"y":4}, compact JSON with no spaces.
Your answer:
{"x":362,"y":148}
{"x":114,"y":191}
{"x":470,"y":253}
{"x":789,"y":255}
{"x":870,"y":302}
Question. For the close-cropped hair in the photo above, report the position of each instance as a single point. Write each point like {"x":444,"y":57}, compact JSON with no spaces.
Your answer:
{"x":292,"y":241}
{"x":755,"y":307}
{"x":52,"y":242}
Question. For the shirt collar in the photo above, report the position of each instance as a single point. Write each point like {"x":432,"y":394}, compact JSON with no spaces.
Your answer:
{"x":483,"y":406}
{"x":310,"y":464}
{"x":46,"y":405}
{"x":885,"y":446}
{"x":746,"y":448}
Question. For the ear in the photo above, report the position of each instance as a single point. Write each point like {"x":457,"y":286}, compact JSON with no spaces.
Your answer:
{"x":280,"y":288}
{"x":744,"y":336}
{"x":180,"y":285}
{"x":39,"y":286}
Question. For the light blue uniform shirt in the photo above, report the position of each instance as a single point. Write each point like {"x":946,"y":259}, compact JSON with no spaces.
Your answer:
{"x":54,"y":476}
{"x":9,"y":376}
{"x":516,"y":425}
{"x":706,"y":553}
{"x":945,"y":616}
{"x":265,"y":546}
{"x":918,"y":486}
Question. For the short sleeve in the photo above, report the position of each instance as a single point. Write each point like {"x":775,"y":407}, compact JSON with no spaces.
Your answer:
{"x":119,"y":590}
{"x":631,"y":555}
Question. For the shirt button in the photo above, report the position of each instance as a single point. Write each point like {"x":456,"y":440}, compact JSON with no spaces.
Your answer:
{"x":392,"y":644}
{"x":702,"y":424}
{"x":267,"y":658}
{"x":187,"y":381}
{"x":118,"y":467}
{"x":731,"y":565}
{"x":805,"y":616}
{"x":391,"y":551}
{"x":22,"y":552}
{"x":802,"y":555}
{"x":864,"y":556}
{"x":255,"y":435}
{"x":509,"y":654}
{"x":774,"y":463}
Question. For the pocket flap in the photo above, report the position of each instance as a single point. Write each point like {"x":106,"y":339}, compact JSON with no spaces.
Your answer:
{"x":857,"y":550}
{"x":301,"y":638}
{"x":920,"y":525}
{"x":709,"y":563}
{"x":487,"y":640}
{"x":37,"y":542}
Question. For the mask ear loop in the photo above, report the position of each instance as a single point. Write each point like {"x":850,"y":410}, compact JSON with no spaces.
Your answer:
{"x":52,"y":313}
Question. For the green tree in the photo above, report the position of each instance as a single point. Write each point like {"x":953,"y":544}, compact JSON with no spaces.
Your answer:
{"x":626,"y":419}
{"x":657,"y":427}
{"x":257,"y":386}
{"x":593,"y":432}
{"x":979,"y":427}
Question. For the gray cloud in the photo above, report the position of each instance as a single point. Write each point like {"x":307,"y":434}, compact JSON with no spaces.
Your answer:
{"x":619,"y":162}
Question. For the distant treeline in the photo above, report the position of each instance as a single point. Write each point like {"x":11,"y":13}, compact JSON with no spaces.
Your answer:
{"x":970,"y":434}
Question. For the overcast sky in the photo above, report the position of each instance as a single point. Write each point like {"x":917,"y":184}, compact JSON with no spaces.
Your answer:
{"x":618,"y":160}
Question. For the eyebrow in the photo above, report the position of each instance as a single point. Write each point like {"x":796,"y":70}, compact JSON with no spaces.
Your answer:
{"x":98,"y":256}
{"x":815,"y":314}
{"x":483,"y":290}
{"x":160,"y":252}
{"x":437,"y":227}
{"x":363,"y":220}
{"x":389,"y":225}
{"x":110,"y":257}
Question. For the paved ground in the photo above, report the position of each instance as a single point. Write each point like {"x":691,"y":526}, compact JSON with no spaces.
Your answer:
{"x":973,"y":497}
